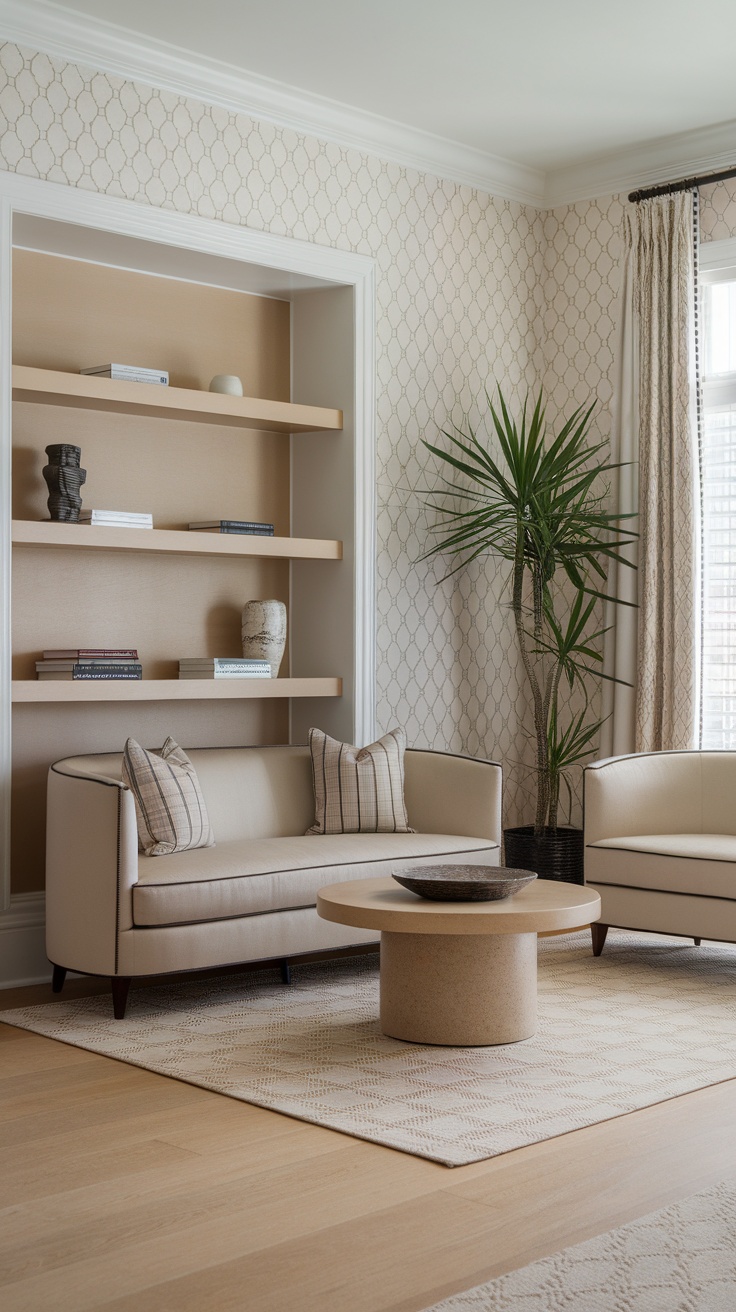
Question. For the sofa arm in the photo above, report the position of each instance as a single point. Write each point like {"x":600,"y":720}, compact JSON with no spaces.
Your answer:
{"x":91,"y":867}
{"x":648,"y":793}
{"x":448,"y":794}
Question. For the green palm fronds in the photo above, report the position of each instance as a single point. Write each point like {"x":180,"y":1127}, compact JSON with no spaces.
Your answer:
{"x":541,"y":508}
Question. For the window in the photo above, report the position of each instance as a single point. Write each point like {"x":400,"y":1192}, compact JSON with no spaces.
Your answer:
{"x":718,"y":471}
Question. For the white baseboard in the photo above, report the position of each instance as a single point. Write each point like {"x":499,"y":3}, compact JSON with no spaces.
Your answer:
{"x":23,"y":957}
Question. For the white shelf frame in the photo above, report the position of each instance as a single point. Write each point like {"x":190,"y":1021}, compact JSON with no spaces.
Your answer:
{"x":54,"y":202}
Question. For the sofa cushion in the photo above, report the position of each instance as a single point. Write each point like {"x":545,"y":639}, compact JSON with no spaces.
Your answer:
{"x":358,"y":790}
{"x":703,"y":864}
{"x":169,"y":806}
{"x":249,"y":877}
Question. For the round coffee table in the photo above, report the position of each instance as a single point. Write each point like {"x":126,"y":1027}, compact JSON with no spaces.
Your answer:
{"x":462,"y":974}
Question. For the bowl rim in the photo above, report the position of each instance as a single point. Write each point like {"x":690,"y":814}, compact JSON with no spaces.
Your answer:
{"x":488,"y":874}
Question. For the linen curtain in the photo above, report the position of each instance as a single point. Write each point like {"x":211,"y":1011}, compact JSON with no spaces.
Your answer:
{"x":656,"y":399}
{"x":618,"y":734}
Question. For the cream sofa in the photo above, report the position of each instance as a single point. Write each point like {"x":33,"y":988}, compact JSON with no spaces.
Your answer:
{"x":252,"y":897}
{"x":660,"y":843}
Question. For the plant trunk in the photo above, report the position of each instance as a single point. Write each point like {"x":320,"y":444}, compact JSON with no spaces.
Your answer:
{"x":540,"y":723}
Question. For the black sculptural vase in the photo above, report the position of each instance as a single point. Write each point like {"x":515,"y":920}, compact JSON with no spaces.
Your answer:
{"x":64,"y":479}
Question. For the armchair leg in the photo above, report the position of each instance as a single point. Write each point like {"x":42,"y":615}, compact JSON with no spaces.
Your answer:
{"x":57,"y":979}
{"x":285,"y":971}
{"x":697,"y":942}
{"x":598,"y":933}
{"x":120,"y":987}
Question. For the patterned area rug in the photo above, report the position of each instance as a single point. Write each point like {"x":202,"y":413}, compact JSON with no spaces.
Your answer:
{"x":650,"y":1019}
{"x":681,"y":1259}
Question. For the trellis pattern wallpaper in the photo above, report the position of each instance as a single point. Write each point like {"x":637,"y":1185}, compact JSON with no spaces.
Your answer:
{"x":718,"y":210}
{"x":472,"y":292}
{"x":459,"y":289}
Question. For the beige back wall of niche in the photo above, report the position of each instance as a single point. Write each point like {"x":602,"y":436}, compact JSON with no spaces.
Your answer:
{"x":70,"y":315}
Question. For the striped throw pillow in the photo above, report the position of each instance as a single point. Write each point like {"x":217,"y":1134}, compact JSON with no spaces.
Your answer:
{"x":169,"y":806}
{"x":358,"y":790}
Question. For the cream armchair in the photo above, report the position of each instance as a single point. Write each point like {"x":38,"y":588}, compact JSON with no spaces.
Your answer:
{"x":660,"y":843}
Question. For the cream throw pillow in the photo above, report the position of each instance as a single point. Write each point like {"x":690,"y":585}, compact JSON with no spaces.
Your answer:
{"x":169,"y":806}
{"x":358,"y":790}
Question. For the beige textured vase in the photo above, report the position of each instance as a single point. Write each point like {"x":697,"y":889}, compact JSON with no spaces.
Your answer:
{"x":263,"y":631}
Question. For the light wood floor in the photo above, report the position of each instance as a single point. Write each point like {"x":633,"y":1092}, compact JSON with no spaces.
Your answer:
{"x":129,"y":1191}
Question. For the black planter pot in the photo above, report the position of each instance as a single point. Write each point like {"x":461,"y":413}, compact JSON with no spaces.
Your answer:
{"x":554,"y":854}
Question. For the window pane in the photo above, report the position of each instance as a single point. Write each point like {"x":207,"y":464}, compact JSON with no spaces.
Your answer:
{"x":719,"y":303}
{"x":719,"y":577}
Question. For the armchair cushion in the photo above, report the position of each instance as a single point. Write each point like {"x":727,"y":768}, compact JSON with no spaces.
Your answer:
{"x":701,"y":864}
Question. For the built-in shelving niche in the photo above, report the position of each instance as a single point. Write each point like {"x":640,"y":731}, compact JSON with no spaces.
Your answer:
{"x":295,"y":450}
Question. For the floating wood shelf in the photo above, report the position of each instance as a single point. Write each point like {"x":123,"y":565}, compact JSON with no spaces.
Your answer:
{"x":187,"y":542}
{"x":160,"y":690}
{"x":85,"y":392}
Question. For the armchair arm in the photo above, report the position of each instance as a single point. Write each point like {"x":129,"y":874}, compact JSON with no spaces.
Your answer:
{"x":91,"y":867}
{"x":448,"y":794}
{"x":648,"y":793}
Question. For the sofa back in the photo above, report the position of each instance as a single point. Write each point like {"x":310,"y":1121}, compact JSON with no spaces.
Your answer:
{"x":266,"y":792}
{"x":682,"y":792}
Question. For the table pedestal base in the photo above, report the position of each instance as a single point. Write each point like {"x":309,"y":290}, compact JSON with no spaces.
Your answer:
{"x":459,"y":990}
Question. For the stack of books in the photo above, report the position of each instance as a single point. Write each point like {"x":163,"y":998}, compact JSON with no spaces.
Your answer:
{"x":129,"y":373}
{"x":90,"y":663}
{"x":223,"y":667}
{"x":233,"y":526}
{"x":116,"y":518}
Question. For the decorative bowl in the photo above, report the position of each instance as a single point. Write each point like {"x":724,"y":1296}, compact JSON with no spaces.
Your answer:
{"x":458,"y":883}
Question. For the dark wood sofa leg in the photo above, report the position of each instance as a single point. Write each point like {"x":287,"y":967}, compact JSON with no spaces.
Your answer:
{"x":120,"y":987}
{"x":697,"y":942}
{"x":598,"y":933}
{"x":57,"y":979}
{"x":285,"y":971}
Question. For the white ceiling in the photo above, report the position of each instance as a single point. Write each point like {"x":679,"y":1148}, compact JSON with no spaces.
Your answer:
{"x":547,"y":87}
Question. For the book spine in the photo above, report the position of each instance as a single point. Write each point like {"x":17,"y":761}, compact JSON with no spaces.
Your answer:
{"x":102,"y":662}
{"x":129,"y":373}
{"x":94,"y":653}
{"x":228,"y":667}
{"x":144,"y":521}
{"x":260,"y":530}
{"x":224,"y":674}
{"x":122,"y":672}
{"x":234,"y":526}
{"x":45,"y":667}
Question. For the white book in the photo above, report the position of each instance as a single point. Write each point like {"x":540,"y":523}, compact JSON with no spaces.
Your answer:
{"x":225,"y":674}
{"x":130,"y":518}
{"x":129,"y":373}
{"x":224,"y":669}
{"x":242,"y":662}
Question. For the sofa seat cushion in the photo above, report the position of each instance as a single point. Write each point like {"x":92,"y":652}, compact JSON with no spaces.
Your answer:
{"x":701,"y":864}
{"x":247,"y":877}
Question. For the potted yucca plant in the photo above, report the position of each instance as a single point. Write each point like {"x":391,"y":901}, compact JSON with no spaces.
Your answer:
{"x":541,"y":508}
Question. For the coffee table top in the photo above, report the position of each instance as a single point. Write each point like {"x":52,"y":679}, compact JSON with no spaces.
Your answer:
{"x":383,"y":904}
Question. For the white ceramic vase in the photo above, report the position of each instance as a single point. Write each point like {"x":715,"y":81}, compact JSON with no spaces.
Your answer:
{"x":263,"y":631}
{"x":228,"y":384}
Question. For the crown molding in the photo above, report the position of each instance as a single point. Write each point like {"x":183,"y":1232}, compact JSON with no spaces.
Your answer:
{"x":703,"y":150}
{"x":79,"y":39}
